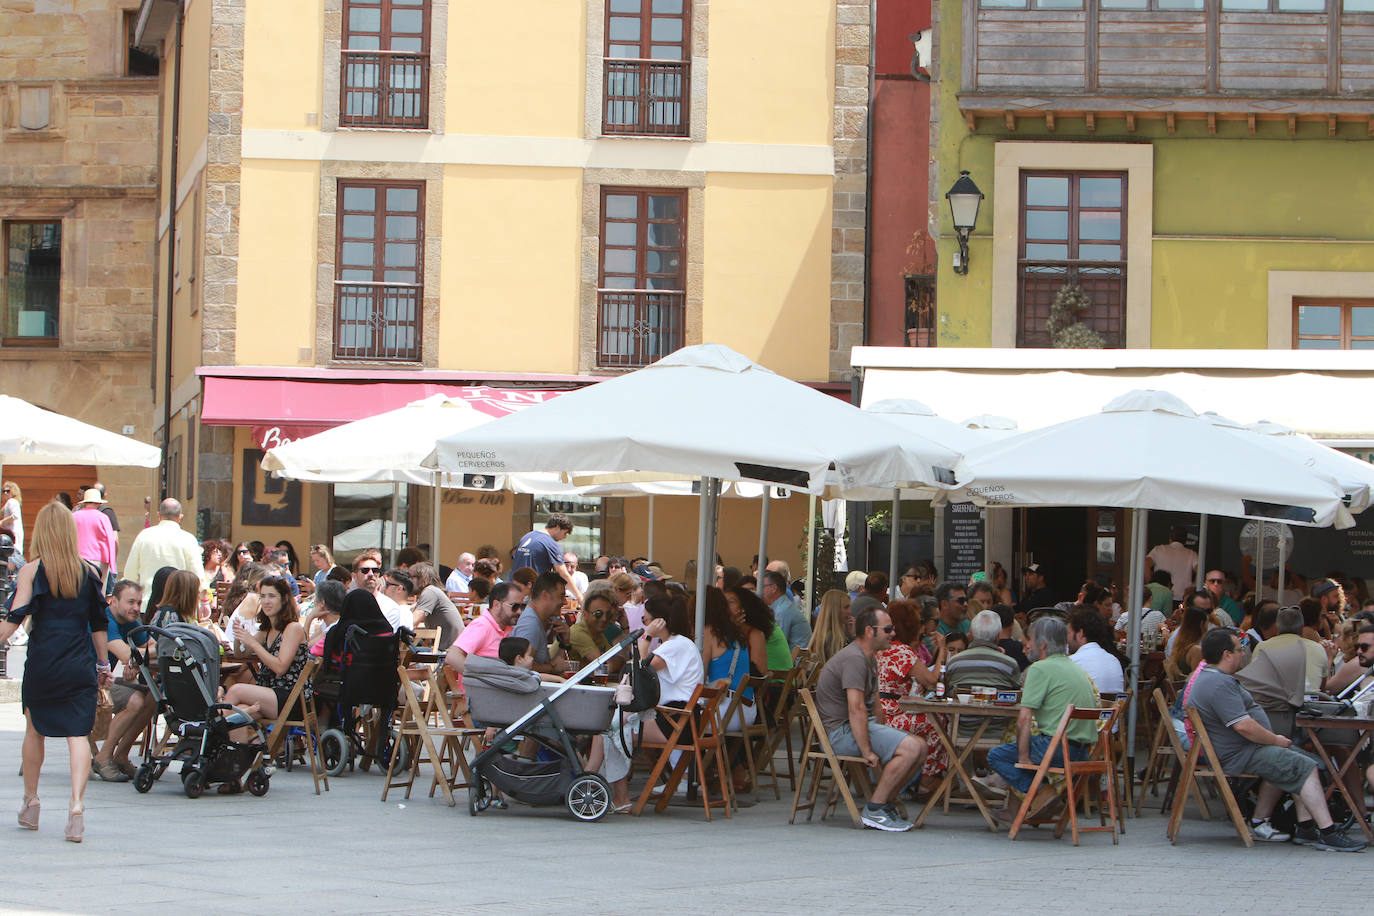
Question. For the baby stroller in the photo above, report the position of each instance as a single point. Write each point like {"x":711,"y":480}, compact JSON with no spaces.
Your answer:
{"x":499,"y":695}
{"x":359,"y":680}
{"x":184,"y":689}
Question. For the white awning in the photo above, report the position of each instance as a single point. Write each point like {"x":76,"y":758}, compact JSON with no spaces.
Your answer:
{"x":1324,"y":394}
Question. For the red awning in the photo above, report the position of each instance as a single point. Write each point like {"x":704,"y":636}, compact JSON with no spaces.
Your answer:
{"x":312,"y":405}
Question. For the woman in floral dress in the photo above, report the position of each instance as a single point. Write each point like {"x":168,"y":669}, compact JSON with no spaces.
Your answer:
{"x":900,"y":669}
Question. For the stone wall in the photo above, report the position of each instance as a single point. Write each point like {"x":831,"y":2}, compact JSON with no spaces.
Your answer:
{"x":847,"y":267}
{"x":222,"y":174}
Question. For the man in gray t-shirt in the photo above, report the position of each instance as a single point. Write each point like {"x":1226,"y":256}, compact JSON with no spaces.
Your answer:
{"x":542,"y":617}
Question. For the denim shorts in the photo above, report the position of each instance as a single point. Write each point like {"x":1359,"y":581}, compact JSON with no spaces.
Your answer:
{"x":882,"y":738}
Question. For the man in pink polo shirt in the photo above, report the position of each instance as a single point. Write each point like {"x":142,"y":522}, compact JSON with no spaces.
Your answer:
{"x":483,"y":636}
{"x":95,"y":539}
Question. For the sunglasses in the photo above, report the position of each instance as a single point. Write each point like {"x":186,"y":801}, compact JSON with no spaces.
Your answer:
{"x":1364,"y":646}
{"x":514,"y":605}
{"x":886,"y":629}
{"x":369,"y":570}
{"x":1216,"y":581}
{"x":959,"y":600}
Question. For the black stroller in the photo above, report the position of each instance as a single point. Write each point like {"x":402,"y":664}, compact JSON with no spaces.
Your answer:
{"x":184,"y":687}
{"x":359,"y":681}
{"x":549,"y":714}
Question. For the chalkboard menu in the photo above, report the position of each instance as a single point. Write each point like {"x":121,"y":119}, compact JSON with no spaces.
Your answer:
{"x":963,"y":541}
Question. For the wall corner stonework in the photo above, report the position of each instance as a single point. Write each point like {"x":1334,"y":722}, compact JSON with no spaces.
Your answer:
{"x":849,"y":215}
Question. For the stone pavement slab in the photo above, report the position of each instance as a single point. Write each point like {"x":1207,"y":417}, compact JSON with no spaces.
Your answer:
{"x":347,"y":852}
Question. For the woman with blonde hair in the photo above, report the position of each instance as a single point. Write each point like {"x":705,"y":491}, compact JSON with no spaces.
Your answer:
{"x":67,"y":657}
{"x":834,"y":627}
{"x":11,"y":520}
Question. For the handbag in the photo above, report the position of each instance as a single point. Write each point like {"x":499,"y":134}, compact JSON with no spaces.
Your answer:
{"x":637,"y":692}
{"x":104,"y":712}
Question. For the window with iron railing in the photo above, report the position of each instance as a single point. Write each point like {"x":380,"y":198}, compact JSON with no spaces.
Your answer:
{"x":379,"y":271}
{"x":1073,"y":233}
{"x":641,"y":296}
{"x":384,"y":64}
{"x":646,"y":79}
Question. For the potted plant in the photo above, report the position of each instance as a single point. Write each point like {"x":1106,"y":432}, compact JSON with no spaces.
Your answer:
{"x":919,"y":280}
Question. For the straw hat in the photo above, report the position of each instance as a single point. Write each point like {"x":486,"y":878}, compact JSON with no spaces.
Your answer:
{"x":91,"y":496}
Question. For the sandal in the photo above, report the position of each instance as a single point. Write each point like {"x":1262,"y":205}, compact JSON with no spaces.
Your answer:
{"x":76,"y":825}
{"x":28,"y":813}
{"x":622,"y":809}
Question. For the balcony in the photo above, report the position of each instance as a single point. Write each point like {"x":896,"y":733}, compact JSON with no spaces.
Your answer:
{"x":1166,"y":64}
{"x":646,"y":98}
{"x":377,"y":321}
{"x":635,"y":327}
{"x":384,"y":89}
{"x":1104,"y":282}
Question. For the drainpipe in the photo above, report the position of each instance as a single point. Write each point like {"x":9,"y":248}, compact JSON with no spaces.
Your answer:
{"x":868,"y":164}
{"x":171,"y":252}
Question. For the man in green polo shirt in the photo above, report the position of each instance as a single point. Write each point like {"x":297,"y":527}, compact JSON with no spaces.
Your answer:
{"x":953,"y":598}
{"x":1053,"y":683}
{"x":1216,"y":584}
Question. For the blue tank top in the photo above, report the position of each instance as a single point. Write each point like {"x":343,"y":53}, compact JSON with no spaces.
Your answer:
{"x":719,"y":668}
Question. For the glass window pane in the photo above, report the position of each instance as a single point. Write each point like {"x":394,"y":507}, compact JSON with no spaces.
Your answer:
{"x":661,"y":262}
{"x":664,"y":207}
{"x":624,"y":28}
{"x":400,"y":254}
{"x":665,"y":29}
{"x":362,"y":275}
{"x":408,"y":45}
{"x":1302,"y":6}
{"x":1245,"y":4}
{"x":673,"y":282}
{"x":364,"y":43}
{"x":1047,"y":224}
{"x":622,"y":206}
{"x":1004,"y":4}
{"x":1099,"y":192}
{"x":1362,"y":321}
{"x":1319,"y":344}
{"x":357,"y":254}
{"x":1045,"y":191}
{"x":665,"y":235}
{"x":33,"y":270}
{"x":1180,"y":4}
{"x":624,"y":6}
{"x":666,"y":52}
{"x":1359,"y":6}
{"x":410,"y":22}
{"x":364,"y":20}
{"x":620,"y":234}
{"x":1099,"y":225}
{"x":357,"y":226}
{"x":622,"y":52}
{"x":619,"y":283}
{"x":403,"y":200}
{"x":1099,"y":252}
{"x":1323,"y":320}
{"x":400,"y":276}
{"x":668,"y":6}
{"x":401,"y":227}
{"x":360,"y":199}
{"x":1362,"y":345}
{"x":1125,"y":4}
{"x":619,"y":261}
{"x":1047,"y":252}
{"x":1059,"y":4}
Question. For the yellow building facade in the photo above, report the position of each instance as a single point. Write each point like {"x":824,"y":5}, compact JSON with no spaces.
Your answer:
{"x":376,"y":199}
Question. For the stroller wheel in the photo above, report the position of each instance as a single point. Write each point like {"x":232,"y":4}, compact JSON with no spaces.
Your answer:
{"x":334,"y":754}
{"x":193,"y":784}
{"x":400,"y":749}
{"x":478,"y":796}
{"x":258,"y":783}
{"x":145,"y":777}
{"x":588,"y":797}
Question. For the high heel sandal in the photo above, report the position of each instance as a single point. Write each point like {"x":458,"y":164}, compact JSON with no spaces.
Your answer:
{"x":76,"y":825}
{"x":28,"y":813}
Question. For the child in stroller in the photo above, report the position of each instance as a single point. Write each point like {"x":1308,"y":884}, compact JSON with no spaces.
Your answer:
{"x":358,"y":686}
{"x":183,"y":687}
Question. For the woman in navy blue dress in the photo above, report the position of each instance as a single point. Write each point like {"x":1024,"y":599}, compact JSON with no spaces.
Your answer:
{"x":66,"y":656}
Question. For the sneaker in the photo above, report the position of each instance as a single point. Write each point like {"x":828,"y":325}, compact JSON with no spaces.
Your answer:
{"x":885,"y":818}
{"x":1337,"y":841}
{"x":107,"y":771}
{"x":1266,"y":832}
{"x":1305,"y":834}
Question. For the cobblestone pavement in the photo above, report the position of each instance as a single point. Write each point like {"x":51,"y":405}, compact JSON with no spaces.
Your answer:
{"x":346,"y":852}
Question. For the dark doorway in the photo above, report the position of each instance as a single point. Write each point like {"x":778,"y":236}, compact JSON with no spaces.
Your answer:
{"x":1057,"y":539}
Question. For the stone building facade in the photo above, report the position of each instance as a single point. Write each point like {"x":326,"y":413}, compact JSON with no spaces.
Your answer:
{"x":78,"y":215}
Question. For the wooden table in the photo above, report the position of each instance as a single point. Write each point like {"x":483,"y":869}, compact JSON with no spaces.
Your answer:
{"x":1364,"y":729}
{"x":950,"y":738}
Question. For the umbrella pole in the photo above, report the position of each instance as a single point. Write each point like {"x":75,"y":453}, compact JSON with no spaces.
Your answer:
{"x":1201,"y":552}
{"x":1259,"y":562}
{"x":810,"y":554}
{"x":650,"y":551}
{"x":765,"y":512}
{"x":1283,"y":574}
{"x":893,"y":582}
{"x":705,"y":551}
{"x":395,"y":511}
{"x":1139,"y":521}
{"x":438,"y":506}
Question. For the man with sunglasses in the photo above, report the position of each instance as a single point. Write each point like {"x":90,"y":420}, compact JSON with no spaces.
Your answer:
{"x":483,"y":636}
{"x":543,"y":621}
{"x":953,"y":598}
{"x":847,"y":700}
{"x":1216,"y":584}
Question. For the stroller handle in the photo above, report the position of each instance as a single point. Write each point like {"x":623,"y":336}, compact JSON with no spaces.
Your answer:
{"x":135,"y":639}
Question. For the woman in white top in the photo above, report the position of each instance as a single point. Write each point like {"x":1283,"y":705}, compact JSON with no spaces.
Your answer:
{"x":680,"y":670}
{"x":9,"y":512}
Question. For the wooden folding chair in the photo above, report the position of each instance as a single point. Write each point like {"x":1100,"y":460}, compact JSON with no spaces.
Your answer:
{"x":751,"y":732}
{"x":699,"y":720}
{"x":427,"y":638}
{"x":1080,"y":776}
{"x":1195,"y":768}
{"x":784,"y":685}
{"x":827,"y":768}
{"x":306,"y":720}
{"x":1121,"y":767}
{"x":447,"y":757}
{"x":1166,"y":751}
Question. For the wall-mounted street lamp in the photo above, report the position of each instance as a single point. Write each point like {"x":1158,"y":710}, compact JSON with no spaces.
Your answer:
{"x":964,"y":200}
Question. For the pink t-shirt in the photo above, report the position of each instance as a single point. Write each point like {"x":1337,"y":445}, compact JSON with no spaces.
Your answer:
{"x":482,"y":637}
{"x":95,"y":539}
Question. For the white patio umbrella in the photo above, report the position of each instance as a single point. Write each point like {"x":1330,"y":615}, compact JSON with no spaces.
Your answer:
{"x":679,"y":426}
{"x":1149,"y":450}
{"x":32,"y":435}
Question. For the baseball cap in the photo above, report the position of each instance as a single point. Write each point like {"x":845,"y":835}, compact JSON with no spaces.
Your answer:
{"x":1325,"y":587}
{"x":1034,"y":567}
{"x":650,"y":573}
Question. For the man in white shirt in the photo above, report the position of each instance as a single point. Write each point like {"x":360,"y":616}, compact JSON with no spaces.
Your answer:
{"x":1177,"y":559}
{"x":1086,"y":628}
{"x":579,"y":578}
{"x":163,"y":544}
{"x":460,"y":580}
